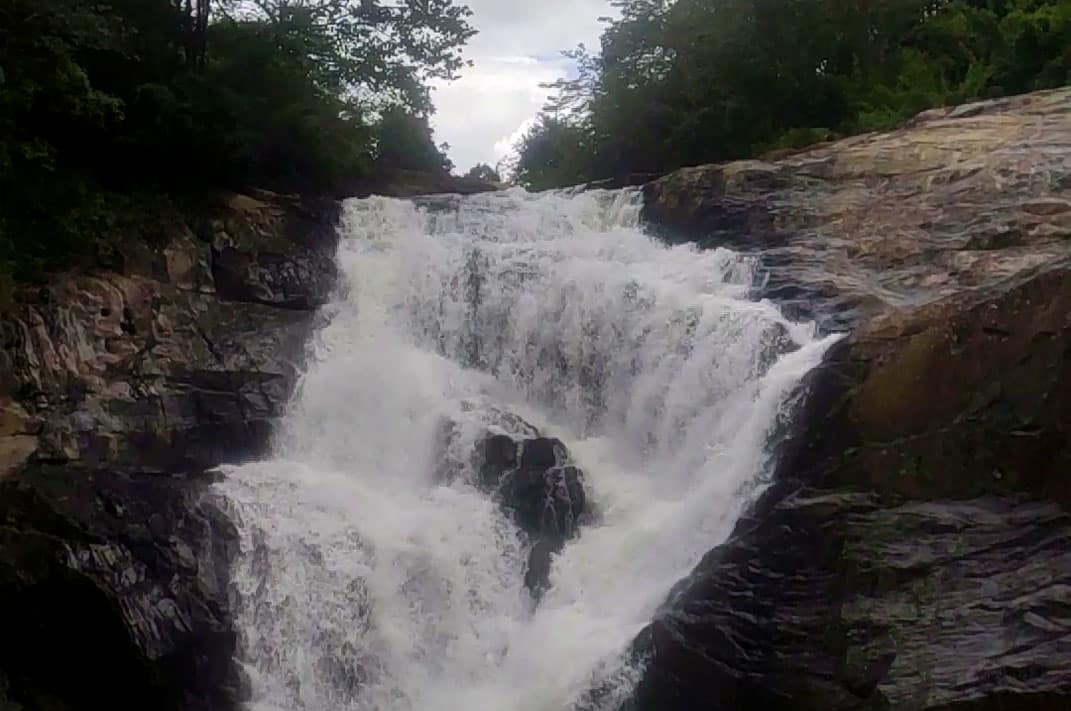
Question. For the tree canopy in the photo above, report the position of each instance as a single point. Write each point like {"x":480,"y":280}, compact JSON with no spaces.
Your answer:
{"x":484,"y":172}
{"x":692,"y":81}
{"x":110,"y":102}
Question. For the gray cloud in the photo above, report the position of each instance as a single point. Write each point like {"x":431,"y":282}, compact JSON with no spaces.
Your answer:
{"x":517,"y":49}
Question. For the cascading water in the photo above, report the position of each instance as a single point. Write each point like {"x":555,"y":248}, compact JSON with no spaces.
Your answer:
{"x":367,"y":581}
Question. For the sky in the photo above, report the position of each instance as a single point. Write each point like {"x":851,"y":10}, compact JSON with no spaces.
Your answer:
{"x":518,"y":47}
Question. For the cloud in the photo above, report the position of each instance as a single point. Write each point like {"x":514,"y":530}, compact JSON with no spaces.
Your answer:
{"x":493,"y":102}
{"x":503,"y":146}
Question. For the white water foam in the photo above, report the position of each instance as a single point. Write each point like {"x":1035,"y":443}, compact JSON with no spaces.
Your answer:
{"x":367,"y":583}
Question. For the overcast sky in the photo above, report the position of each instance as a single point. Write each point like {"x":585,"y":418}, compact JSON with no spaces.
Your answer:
{"x":518,"y":47}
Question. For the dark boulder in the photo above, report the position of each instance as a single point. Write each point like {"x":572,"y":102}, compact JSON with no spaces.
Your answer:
{"x":541,"y":490}
{"x":546,"y":502}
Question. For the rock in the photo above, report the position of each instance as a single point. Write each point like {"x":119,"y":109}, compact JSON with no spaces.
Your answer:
{"x":414,"y":183}
{"x":539,"y":488}
{"x":964,"y":397}
{"x":118,"y":388}
{"x":275,"y":254}
{"x":18,"y":439}
{"x":160,"y":374}
{"x":935,"y":605}
{"x":113,"y":593}
{"x":545,"y":502}
{"x":951,"y":203}
{"x":498,"y":455}
{"x":912,"y":553}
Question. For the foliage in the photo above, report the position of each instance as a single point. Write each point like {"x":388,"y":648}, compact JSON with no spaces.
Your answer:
{"x":403,"y":141}
{"x":383,"y":53}
{"x":693,"y":81}
{"x":484,"y":172}
{"x":552,"y":154}
{"x":100,"y":100}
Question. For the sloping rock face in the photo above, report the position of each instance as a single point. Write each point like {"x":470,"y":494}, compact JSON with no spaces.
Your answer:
{"x":959,"y":200}
{"x":118,"y":388}
{"x":913,"y":552}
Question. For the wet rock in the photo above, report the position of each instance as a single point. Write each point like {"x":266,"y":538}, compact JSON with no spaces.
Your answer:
{"x":498,"y":455}
{"x":545,"y":502}
{"x":118,"y":387}
{"x":541,"y":490}
{"x":893,"y":221}
{"x":837,"y":601}
{"x":913,"y":552}
{"x":157,"y":371}
{"x":275,"y":253}
{"x":113,"y":592}
{"x":965,"y":397}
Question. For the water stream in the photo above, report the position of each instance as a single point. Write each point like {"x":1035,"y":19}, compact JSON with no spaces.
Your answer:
{"x":367,"y":581}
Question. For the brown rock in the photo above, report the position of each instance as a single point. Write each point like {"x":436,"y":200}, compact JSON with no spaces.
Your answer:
{"x":912,"y":553}
{"x":18,"y":436}
{"x":117,"y":389}
{"x":954,"y":203}
{"x":172,"y":373}
{"x":944,"y":248}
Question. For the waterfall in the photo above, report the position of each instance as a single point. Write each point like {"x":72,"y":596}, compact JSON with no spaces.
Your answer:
{"x":368,"y":580}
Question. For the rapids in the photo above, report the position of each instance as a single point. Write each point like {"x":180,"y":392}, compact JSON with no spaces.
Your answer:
{"x":367,"y":582}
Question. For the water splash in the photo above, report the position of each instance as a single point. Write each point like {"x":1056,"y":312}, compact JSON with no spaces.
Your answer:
{"x":366,"y":583}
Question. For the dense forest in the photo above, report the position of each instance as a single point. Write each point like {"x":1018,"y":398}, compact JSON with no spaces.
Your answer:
{"x":695,"y":81}
{"x":109,"y":108}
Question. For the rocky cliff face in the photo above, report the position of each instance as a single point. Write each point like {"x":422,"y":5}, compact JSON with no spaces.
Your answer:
{"x":913,"y":552}
{"x":118,"y":389}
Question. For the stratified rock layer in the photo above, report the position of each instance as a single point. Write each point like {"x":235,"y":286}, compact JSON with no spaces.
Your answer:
{"x":118,"y":388}
{"x":913,"y":553}
{"x":161,"y":367}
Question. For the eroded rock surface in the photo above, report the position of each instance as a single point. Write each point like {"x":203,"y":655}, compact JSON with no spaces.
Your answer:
{"x":113,"y":593}
{"x":913,"y":554}
{"x":934,"y":605}
{"x":118,"y":387}
{"x":959,"y":200}
{"x":162,"y":367}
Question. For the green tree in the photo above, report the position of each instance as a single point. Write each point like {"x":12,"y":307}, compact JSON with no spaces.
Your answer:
{"x":404,"y":142}
{"x":484,"y":172}
{"x":692,"y":81}
{"x":551,"y":154}
{"x":108,"y":103}
{"x":382,"y":52}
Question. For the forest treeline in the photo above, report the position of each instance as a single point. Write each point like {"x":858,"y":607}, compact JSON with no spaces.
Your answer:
{"x":694,"y":81}
{"x":109,"y":108}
